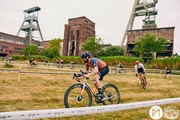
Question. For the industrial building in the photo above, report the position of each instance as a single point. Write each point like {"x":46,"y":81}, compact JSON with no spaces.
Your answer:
{"x":166,"y":32}
{"x":149,"y":12}
{"x":76,"y":32}
{"x":13,"y":45}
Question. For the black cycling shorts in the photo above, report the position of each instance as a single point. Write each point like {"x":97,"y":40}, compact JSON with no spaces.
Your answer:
{"x":103,"y":72}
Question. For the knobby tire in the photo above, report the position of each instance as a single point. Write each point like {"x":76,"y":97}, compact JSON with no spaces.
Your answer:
{"x":111,"y":90}
{"x":72,"y":93}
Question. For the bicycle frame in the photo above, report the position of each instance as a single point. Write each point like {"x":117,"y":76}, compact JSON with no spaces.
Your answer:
{"x":86,"y":84}
{"x":141,"y":77}
{"x":82,"y":93}
{"x":118,"y":70}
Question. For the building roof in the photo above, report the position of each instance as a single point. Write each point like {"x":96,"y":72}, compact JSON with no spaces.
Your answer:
{"x":33,"y":9}
{"x":152,"y":29}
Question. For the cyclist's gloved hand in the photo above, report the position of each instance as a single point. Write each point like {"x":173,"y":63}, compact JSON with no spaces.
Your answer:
{"x":136,"y":75}
{"x":78,"y":78}
{"x":85,"y":76}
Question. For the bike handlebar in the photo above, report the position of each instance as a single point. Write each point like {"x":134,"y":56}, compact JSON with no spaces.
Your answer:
{"x":79,"y":75}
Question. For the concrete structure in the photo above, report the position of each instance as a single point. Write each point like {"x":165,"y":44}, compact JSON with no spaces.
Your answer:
{"x":76,"y":32}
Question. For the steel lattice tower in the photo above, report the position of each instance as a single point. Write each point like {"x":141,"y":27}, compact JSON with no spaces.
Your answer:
{"x":142,"y":8}
{"x":31,"y":24}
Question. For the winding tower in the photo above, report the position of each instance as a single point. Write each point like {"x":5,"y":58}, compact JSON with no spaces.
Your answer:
{"x":142,"y":8}
{"x":31,"y":24}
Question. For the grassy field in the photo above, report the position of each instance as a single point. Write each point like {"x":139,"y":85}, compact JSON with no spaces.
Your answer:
{"x":46,"y":91}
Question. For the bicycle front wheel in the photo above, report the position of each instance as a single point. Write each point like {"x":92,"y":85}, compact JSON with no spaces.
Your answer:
{"x":111,"y":94}
{"x":73,"y":99}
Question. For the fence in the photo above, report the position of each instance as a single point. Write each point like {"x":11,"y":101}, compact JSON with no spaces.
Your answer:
{"x":65,"y":112}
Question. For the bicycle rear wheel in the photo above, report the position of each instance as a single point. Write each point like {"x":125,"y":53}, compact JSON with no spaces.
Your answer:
{"x":114,"y":71}
{"x":72,"y":97}
{"x":111,"y":94}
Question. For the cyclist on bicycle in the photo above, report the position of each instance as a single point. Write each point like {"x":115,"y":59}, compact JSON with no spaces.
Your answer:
{"x":100,"y":69}
{"x":139,"y":68}
{"x":120,"y":66}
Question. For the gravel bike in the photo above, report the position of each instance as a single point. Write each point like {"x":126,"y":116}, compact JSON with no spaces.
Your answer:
{"x":32,"y":65}
{"x":81,"y":94}
{"x":142,"y":79}
{"x":118,"y":70}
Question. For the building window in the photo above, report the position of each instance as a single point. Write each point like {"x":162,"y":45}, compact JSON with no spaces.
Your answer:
{"x":4,"y":46}
{"x":17,"y":48}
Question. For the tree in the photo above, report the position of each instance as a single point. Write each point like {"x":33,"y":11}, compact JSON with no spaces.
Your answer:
{"x":55,"y":44}
{"x":112,"y":51}
{"x":93,"y":45}
{"x":53,"y":49}
{"x":148,"y":44}
{"x":30,"y":50}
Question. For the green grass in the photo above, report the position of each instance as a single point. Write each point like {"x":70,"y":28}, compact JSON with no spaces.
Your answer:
{"x":46,"y":91}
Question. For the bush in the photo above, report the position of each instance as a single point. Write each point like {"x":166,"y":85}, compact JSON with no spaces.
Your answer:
{"x":126,"y":61}
{"x":18,"y":57}
{"x":173,"y":63}
{"x":39,"y":58}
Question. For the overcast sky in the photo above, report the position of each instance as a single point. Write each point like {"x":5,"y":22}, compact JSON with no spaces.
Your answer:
{"x":110,"y":16}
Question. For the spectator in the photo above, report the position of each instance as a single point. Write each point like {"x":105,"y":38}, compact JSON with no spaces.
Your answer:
{"x":57,"y":61}
{"x":167,"y":73}
{"x":61,"y":63}
{"x":46,"y":62}
{"x":71,"y":65}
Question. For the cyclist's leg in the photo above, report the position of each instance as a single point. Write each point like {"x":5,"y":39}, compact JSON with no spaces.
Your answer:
{"x":99,"y":77}
{"x":169,"y":76}
{"x":145,"y":80}
{"x":165,"y":75}
{"x":97,"y":82}
{"x":140,"y":77}
{"x":119,"y":70}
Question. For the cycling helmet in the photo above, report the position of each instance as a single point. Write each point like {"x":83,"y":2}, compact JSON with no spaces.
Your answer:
{"x":137,"y":62}
{"x":85,"y":54}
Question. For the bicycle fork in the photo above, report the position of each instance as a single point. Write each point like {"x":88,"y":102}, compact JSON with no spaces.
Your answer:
{"x":80,"y":96}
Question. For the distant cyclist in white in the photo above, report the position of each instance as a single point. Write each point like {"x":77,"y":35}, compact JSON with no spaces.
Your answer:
{"x":139,"y":68}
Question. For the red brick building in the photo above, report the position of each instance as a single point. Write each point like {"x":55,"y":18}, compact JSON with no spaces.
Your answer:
{"x":76,"y":32}
{"x":166,"y":32}
{"x":11,"y":44}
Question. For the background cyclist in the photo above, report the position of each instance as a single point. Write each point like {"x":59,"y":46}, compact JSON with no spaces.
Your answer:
{"x":100,"y":69}
{"x":139,"y":68}
{"x":120,"y":66}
